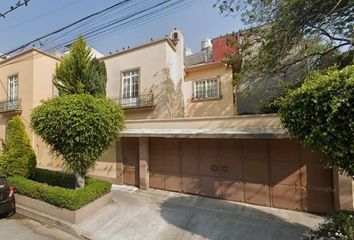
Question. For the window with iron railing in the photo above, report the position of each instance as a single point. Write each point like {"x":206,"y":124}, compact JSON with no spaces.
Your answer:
{"x":13,"y":87}
{"x":130,"y":82}
{"x":10,"y":105}
{"x":140,"y":101}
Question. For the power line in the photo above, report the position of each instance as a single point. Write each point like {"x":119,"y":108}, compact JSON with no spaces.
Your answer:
{"x":127,"y":21}
{"x":14,"y":7}
{"x":63,"y":28}
{"x":106,"y":23}
{"x":42,"y":15}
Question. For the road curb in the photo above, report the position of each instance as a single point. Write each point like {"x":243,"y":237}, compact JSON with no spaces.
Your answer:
{"x":43,"y":218}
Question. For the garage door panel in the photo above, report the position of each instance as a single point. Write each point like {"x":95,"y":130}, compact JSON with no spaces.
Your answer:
{"x":231,"y":169}
{"x":308,"y":156}
{"x":189,"y":156}
{"x":256,"y":193}
{"x":210,"y":187}
{"x":230,"y":163}
{"x":256,"y":171}
{"x":130,"y":161}
{"x":232,"y":190}
{"x":209,"y":167}
{"x":156,"y":163}
{"x":156,"y":181}
{"x":208,"y":148}
{"x":285,"y":196}
{"x":173,"y":183}
{"x":172,"y":163}
{"x":284,"y":150}
{"x":315,"y":176}
{"x":255,"y":149}
{"x":130,"y":150}
{"x":156,"y":146}
{"x":317,"y":201}
{"x":156,"y":160}
{"x":191,"y":184}
{"x":129,"y":175}
{"x":262,"y":172}
{"x":230,"y":149}
{"x":285,"y":173}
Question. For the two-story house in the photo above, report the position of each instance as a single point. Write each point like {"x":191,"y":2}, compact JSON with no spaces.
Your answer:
{"x":26,"y":80}
{"x":182,"y":132}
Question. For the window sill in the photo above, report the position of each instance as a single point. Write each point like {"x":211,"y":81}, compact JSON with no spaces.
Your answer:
{"x":206,"y":99}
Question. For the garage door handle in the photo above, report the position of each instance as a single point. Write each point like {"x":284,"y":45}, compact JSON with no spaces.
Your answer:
{"x":214,"y":168}
{"x":225,"y":169}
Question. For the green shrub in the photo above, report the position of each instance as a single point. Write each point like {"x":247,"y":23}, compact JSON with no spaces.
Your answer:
{"x":60,"y":179}
{"x":339,"y":226}
{"x":79,"y":72}
{"x":320,"y":114}
{"x":18,"y":158}
{"x":59,"y":196}
{"x":79,"y":127}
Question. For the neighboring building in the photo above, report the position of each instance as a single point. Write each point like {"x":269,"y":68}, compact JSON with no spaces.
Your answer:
{"x":182,"y":133}
{"x":26,"y":80}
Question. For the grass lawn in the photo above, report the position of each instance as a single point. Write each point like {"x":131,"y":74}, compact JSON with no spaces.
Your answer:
{"x":58,"y":189}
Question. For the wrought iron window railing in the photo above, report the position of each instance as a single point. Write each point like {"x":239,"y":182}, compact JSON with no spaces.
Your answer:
{"x":10,"y":105}
{"x":144,"y":100}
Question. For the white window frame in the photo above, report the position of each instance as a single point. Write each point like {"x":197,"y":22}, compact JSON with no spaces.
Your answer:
{"x":206,"y":93}
{"x":129,"y":76}
{"x":12,"y":89}
{"x":130,"y":93}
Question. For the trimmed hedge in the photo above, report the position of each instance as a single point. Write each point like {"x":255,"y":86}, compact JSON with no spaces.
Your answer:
{"x":320,"y":114}
{"x":52,"y":178}
{"x":60,"y":196}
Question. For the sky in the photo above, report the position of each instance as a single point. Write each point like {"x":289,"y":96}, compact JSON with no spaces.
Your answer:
{"x":40,"y":17}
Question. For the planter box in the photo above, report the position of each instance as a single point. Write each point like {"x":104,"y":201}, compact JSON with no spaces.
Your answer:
{"x":30,"y":206}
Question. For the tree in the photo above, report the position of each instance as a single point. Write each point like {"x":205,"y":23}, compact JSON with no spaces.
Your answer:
{"x":320,"y":114}
{"x":78,"y":72}
{"x":288,"y":31}
{"x":79,"y":127}
{"x":18,"y":158}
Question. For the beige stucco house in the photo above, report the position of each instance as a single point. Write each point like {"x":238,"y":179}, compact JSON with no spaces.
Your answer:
{"x":182,"y":132}
{"x":26,"y":80}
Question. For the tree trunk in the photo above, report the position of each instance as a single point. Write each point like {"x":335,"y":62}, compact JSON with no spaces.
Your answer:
{"x":80,"y":180}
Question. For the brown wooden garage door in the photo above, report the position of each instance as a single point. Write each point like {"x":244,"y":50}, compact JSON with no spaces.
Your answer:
{"x":278,"y":173}
{"x":130,"y":152}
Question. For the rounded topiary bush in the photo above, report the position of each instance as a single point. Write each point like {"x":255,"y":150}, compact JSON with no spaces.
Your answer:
{"x":79,"y":127}
{"x":18,"y":157}
{"x":321,"y":115}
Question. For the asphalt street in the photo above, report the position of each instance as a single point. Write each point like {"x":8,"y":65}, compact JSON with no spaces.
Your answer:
{"x":18,"y":227}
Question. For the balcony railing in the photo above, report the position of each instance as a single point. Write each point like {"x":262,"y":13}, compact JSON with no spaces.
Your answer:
{"x":141,"y":101}
{"x":10,"y":105}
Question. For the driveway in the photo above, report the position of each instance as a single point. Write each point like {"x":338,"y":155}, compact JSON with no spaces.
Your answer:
{"x":19,"y":227}
{"x":156,"y":214}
